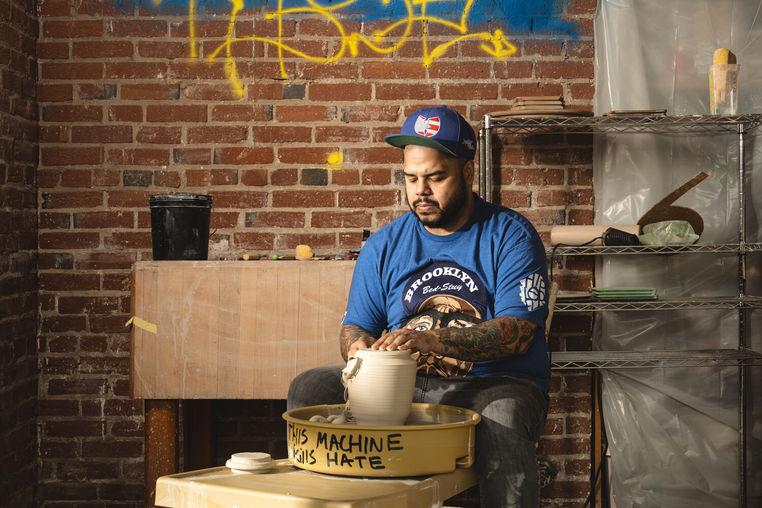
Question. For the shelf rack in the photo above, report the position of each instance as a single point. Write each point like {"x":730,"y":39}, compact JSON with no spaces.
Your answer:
{"x":743,"y":356}
{"x":648,"y":359}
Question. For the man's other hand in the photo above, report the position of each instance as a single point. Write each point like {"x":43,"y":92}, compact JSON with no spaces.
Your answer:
{"x":423,"y":341}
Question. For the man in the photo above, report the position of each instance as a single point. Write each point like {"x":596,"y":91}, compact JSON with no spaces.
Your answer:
{"x":455,"y":253}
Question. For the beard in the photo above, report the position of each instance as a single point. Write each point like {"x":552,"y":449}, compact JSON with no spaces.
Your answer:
{"x":445,"y":214}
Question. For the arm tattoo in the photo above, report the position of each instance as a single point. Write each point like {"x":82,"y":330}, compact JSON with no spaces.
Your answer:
{"x":349,"y":335}
{"x":496,"y":338}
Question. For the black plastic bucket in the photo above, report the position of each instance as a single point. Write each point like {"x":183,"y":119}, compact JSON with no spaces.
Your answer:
{"x":180,"y":226}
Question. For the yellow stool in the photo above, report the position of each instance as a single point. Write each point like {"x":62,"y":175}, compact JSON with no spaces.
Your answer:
{"x":286,"y":486}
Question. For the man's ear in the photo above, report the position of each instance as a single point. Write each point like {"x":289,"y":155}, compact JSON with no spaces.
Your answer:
{"x":468,"y":172}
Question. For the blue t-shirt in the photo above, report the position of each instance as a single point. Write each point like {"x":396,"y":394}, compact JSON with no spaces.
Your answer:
{"x":493,"y":266}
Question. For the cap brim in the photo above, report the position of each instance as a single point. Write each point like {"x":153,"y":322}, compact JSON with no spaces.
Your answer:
{"x":402,"y":140}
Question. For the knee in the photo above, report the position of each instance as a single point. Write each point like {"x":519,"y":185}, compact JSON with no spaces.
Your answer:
{"x":321,"y":385}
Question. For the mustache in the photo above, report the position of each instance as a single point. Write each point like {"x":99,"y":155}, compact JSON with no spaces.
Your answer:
{"x":425,"y":201}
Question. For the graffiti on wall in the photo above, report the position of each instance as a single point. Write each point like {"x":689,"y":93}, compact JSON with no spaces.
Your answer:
{"x":462,"y":19}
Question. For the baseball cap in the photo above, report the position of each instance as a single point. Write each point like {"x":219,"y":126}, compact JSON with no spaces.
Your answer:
{"x":439,"y":127}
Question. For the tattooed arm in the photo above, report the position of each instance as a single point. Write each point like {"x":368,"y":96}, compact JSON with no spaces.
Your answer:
{"x":496,"y":338}
{"x":352,"y":338}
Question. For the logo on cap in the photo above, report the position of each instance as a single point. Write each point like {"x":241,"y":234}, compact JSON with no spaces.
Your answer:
{"x":427,"y":127}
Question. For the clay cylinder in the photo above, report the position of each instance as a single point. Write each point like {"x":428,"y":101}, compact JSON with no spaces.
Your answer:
{"x":379,"y":386}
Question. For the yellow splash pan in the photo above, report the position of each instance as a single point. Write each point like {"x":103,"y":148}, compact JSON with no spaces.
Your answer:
{"x":434,"y":439}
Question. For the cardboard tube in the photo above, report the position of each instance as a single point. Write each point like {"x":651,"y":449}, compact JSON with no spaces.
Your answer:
{"x":578,"y":235}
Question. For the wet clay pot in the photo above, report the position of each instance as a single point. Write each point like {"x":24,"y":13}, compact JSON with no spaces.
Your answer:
{"x":379,"y":386}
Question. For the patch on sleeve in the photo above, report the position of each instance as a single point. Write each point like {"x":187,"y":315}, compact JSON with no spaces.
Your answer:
{"x":533,"y":291}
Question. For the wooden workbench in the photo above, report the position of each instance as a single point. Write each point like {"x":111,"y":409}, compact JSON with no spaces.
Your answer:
{"x":226,"y":330}
{"x":288,"y":487}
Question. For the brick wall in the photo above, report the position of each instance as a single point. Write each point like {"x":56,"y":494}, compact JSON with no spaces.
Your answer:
{"x":290,"y":148}
{"x":18,"y":257}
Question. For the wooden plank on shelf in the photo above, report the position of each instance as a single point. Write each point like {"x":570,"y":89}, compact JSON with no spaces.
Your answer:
{"x":233,"y":329}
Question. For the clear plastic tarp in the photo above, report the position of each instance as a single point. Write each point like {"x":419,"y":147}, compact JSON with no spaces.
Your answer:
{"x":674,"y":432}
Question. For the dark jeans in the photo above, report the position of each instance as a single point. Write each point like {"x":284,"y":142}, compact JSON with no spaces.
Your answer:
{"x":513,"y":416}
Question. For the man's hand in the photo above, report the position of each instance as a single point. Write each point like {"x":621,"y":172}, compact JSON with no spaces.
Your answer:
{"x":497,"y":338}
{"x":353,"y":338}
{"x":423,"y":341}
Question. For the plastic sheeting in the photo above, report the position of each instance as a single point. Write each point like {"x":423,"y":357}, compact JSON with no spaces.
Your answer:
{"x":673,"y":432}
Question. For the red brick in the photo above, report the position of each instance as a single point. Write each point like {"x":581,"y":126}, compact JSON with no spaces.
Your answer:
{"x":370,"y":113}
{"x":125,"y":113}
{"x":315,"y":240}
{"x":284,"y":177}
{"x":224,"y":219}
{"x":281,"y":134}
{"x":102,"y":49}
{"x":54,"y":134}
{"x":66,"y":156}
{"x":345,"y":177}
{"x":254,"y":241}
{"x":379,"y":155}
{"x":128,"y":199}
{"x":442,"y":69}
{"x":223,"y":176}
{"x":72,"y":114}
{"x":470,"y":91}
{"x":187,"y":113}
{"x":54,"y":220}
{"x":376,"y":177}
{"x":135,"y":70}
{"x":76,"y":178}
{"x":71,"y":29}
{"x":304,"y":199}
{"x":112,"y":449}
{"x":197,"y":70}
{"x":69,"y":240}
{"x":54,"y":8}
{"x":304,"y":155}
{"x":71,"y":70}
{"x":74,"y":199}
{"x":202,"y":29}
{"x":399,"y":91}
{"x":275,"y":219}
{"x":241,"y":113}
{"x":74,"y":428}
{"x":217,"y":134}
{"x":243,"y":155}
{"x":58,"y":407}
{"x":128,"y":240}
{"x":254,"y":177}
{"x":104,"y":220}
{"x":149,"y":91}
{"x":159,"y":135}
{"x":163,"y":49}
{"x":107,"y":177}
{"x":304,"y":114}
{"x":341,"y":134}
{"x":138,"y":28}
{"x":271,"y":91}
{"x":340,"y":220}
{"x":52,"y":50}
{"x":69,"y":282}
{"x":340,"y":92}
{"x":139,"y":156}
{"x":194,"y":156}
{"x":515,"y":198}
{"x":368,"y":199}
{"x":115,"y":282}
{"x":212,"y":92}
{"x":63,"y":324}
{"x":564,"y":70}
{"x":320,"y":71}
{"x":388,"y":69}
{"x":238,"y":199}
{"x":101,"y":134}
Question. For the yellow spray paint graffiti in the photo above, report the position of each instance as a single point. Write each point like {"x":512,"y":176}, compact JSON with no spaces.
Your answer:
{"x":381,"y":41}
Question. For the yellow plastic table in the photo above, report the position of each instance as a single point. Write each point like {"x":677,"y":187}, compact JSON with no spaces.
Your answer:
{"x":286,"y":486}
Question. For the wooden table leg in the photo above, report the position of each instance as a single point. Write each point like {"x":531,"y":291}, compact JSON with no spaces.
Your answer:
{"x":160,"y":445}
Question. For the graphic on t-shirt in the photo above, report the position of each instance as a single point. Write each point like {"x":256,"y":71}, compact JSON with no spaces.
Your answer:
{"x":443,"y":295}
{"x":446,"y":286}
{"x":533,"y":291}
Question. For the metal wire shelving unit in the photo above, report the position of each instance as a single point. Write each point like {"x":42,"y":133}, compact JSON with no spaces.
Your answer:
{"x":743,"y":356}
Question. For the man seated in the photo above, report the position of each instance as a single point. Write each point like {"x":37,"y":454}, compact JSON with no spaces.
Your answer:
{"x":462,"y":284}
